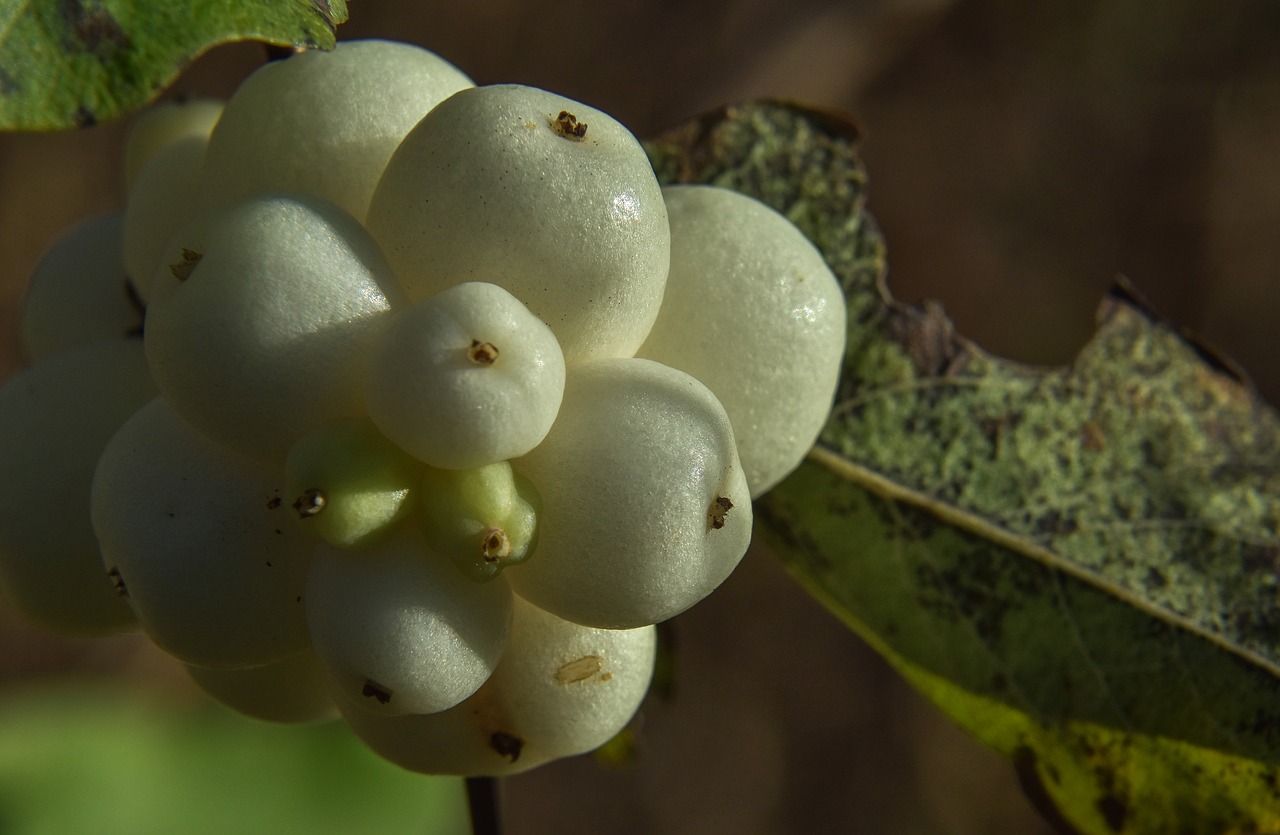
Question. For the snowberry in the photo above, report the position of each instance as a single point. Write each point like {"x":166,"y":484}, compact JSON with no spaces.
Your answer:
{"x":160,"y":204}
{"x":401,"y":630}
{"x":323,"y":123}
{"x":552,"y":200}
{"x":55,"y":419}
{"x":645,"y":509}
{"x":166,"y":124}
{"x":454,"y":404}
{"x":260,"y":320}
{"x":465,"y":378}
{"x":79,"y":294}
{"x":753,"y":311}
{"x":196,"y":536}
{"x":484,"y":519}
{"x":293,"y":689}
{"x":348,"y":484}
{"x":561,"y":689}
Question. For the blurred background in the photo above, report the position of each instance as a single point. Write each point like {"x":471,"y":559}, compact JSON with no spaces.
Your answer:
{"x":1021,"y":155}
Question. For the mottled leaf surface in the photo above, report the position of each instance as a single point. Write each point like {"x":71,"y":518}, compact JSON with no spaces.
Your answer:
{"x":71,"y":63}
{"x":1078,"y":564}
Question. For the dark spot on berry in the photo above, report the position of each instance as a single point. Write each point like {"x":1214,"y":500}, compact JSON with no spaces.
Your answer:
{"x":273,"y":503}
{"x":373,"y":690}
{"x":117,"y":582}
{"x":139,"y":307}
{"x":506,"y":745}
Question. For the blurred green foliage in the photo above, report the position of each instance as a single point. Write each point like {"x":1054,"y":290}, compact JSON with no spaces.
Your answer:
{"x":102,"y":760}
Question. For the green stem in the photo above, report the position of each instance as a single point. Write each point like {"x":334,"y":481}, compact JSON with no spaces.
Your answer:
{"x":482,"y":797}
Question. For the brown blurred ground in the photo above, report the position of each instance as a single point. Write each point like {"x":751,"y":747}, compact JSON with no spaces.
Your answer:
{"x":1021,"y":155}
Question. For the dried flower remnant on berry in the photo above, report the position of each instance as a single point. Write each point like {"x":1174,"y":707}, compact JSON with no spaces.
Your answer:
{"x":495,"y":545}
{"x":482,"y":353}
{"x":720,"y":507}
{"x":568,"y":126}
{"x":310,"y":503}
{"x":182,"y":269}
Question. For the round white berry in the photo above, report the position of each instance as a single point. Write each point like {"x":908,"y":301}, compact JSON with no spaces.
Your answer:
{"x":259,"y":323}
{"x":196,"y":536}
{"x":644,"y":506}
{"x":401,"y":629}
{"x":561,"y":689}
{"x":55,"y":419}
{"x":324,"y":122}
{"x":549,"y":198}
{"x":753,"y":311}
{"x":465,"y":378}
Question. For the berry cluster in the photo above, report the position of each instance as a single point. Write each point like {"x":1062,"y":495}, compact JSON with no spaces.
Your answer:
{"x":421,"y":402}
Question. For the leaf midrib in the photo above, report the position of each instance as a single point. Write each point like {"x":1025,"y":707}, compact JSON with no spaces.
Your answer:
{"x":976,"y":525}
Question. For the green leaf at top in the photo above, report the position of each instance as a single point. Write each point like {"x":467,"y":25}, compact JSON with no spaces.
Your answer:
{"x":72,"y":63}
{"x":1080,"y":565}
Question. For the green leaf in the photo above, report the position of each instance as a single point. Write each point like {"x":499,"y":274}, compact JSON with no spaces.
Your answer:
{"x":113,"y":762}
{"x":72,"y":63}
{"x":1080,"y":565}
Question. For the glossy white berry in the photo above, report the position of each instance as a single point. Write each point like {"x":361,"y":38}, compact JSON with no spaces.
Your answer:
{"x":80,"y":293}
{"x":55,"y":419}
{"x":160,"y":204}
{"x":158,"y":127}
{"x":561,"y":689}
{"x":465,"y":378}
{"x":645,"y":509}
{"x":293,"y":689}
{"x":422,"y":404}
{"x":753,"y":311}
{"x":261,"y":318}
{"x":324,"y":123}
{"x":552,"y":200}
{"x":402,"y":630}
{"x":197,"y":537}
